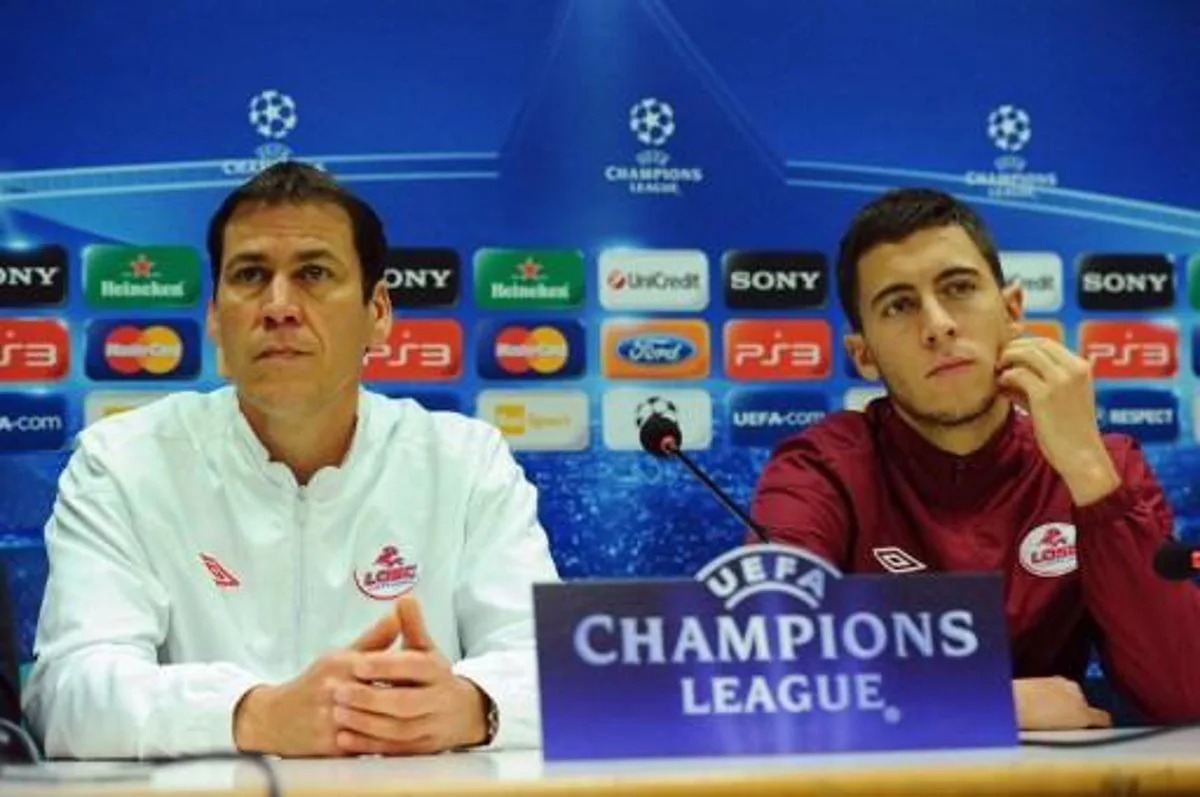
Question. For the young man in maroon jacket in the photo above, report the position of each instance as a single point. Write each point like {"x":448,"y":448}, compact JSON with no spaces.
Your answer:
{"x":944,"y":475}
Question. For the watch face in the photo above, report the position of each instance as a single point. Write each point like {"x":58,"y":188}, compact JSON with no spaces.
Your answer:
{"x":493,"y":722}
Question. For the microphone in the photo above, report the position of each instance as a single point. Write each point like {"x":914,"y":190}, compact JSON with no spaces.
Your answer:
{"x":1176,"y":561}
{"x":660,"y":435}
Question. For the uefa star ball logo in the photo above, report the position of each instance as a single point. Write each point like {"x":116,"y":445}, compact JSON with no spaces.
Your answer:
{"x":652,"y":121}
{"x":273,"y":114}
{"x":655,"y":405}
{"x":1009,"y":128}
{"x":652,"y":170}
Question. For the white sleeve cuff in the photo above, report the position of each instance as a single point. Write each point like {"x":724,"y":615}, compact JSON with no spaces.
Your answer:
{"x":206,"y":724}
{"x":510,"y":680}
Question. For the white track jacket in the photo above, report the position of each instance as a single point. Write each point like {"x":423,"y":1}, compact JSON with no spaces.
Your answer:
{"x":186,"y":568}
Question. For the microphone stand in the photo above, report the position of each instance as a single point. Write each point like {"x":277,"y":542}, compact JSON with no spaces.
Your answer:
{"x":671,"y":449}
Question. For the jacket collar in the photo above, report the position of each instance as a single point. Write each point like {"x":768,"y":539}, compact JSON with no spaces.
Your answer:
{"x":324,"y":482}
{"x":940,"y":477}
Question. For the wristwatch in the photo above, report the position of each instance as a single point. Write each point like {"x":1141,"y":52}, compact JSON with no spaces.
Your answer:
{"x":492,"y":718}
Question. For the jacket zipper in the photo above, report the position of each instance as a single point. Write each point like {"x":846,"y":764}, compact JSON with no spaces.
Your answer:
{"x":300,"y":543}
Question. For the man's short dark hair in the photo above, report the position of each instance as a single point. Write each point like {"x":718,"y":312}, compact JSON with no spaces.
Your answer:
{"x":292,"y":182}
{"x":891,"y":218}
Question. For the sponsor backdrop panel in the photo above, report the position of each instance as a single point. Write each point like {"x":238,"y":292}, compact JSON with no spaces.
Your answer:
{"x":594,"y":207}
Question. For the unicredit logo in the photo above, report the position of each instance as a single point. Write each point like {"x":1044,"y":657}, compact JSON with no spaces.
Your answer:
{"x":653,"y":279}
{"x":1040,"y":274}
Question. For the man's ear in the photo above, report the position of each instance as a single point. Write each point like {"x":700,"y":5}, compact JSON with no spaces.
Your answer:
{"x":1013,"y":296}
{"x":381,"y":315}
{"x":212,"y":328}
{"x":860,"y":353}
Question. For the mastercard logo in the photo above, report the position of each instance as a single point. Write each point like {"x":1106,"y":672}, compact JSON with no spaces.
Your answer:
{"x":531,"y":349}
{"x":543,"y":350}
{"x":153,"y":349}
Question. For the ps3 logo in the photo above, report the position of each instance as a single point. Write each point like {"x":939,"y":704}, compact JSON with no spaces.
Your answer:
{"x":32,"y":349}
{"x":1129,"y":350}
{"x":777,"y":349}
{"x":417,"y":350}
{"x":778,"y":353}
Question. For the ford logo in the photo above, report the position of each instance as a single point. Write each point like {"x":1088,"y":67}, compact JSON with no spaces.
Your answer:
{"x":655,"y":349}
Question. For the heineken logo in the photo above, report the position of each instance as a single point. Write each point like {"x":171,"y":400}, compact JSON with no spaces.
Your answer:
{"x":529,"y":270}
{"x":515,"y":278}
{"x":155,"y":276}
{"x":153,"y":290}
{"x":532,"y":285}
{"x":141,"y":269}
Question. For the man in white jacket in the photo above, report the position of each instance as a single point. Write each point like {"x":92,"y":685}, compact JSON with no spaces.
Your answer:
{"x":214,"y":556}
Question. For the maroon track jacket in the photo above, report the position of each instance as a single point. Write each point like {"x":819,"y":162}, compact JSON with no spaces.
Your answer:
{"x":869,"y":494}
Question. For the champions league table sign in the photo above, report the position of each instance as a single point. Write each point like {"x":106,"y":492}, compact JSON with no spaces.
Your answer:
{"x":769,"y":649}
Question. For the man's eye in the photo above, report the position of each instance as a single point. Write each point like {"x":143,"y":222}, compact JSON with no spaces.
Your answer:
{"x":898,"y":306}
{"x":248,"y":274}
{"x":960,"y":288}
{"x":314,"y":273}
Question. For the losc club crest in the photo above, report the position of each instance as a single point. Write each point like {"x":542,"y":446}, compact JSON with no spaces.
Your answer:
{"x":1010,"y":130}
{"x":652,"y":123}
{"x":273,"y":115}
{"x":388,"y":575}
{"x":1049,"y":550}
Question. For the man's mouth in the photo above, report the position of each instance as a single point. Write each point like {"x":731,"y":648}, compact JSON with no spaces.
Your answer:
{"x":950,"y":365}
{"x":281,"y":353}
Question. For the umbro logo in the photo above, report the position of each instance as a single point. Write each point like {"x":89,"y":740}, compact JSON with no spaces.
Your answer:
{"x":897,"y":560}
{"x":221,"y":575}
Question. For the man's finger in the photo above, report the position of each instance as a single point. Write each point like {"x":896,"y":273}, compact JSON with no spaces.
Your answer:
{"x":1020,"y":385}
{"x":412,"y":624}
{"x":1034,"y":358}
{"x":407,"y":667}
{"x":356,"y":743}
{"x":381,"y":635}
{"x":399,"y":702}
{"x":1064,"y":360}
{"x":378,"y":726}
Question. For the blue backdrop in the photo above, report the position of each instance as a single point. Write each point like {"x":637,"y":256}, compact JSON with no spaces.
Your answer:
{"x":761,"y":125}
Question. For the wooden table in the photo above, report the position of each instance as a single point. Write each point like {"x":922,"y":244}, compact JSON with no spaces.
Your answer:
{"x":1167,"y":764}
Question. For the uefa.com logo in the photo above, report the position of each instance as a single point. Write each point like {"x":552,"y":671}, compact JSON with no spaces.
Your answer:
{"x":652,"y":123}
{"x":32,"y":421}
{"x":1010,"y":130}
